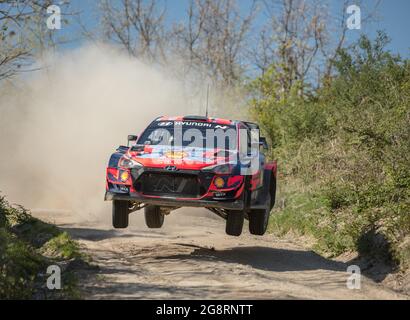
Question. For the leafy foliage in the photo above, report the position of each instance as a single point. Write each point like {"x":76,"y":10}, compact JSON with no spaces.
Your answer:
{"x":27,"y":247}
{"x":347,"y":144}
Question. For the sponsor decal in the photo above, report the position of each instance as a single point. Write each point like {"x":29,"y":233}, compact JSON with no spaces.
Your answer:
{"x":193,"y":124}
{"x":171,"y":168}
{"x":165,"y":124}
{"x":199,"y":124}
{"x":176,"y":154}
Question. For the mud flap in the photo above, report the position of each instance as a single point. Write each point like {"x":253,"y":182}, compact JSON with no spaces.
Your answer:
{"x":259,"y":201}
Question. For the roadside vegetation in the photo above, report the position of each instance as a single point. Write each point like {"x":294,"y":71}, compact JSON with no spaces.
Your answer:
{"x":27,"y":247}
{"x":337,"y":115}
{"x":344,"y":153}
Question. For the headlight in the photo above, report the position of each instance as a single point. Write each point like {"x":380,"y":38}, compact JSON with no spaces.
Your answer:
{"x":220,"y":168}
{"x":129,"y":163}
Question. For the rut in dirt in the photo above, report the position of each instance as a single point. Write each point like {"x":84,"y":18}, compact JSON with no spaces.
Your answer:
{"x":192,"y":258}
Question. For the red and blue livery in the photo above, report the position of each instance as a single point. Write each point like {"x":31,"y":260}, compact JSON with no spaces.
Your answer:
{"x":194,"y":161}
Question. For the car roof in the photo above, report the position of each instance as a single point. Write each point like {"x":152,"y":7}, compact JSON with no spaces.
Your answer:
{"x":197,"y":118}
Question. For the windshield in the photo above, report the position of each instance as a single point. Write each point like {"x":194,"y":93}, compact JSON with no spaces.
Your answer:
{"x":195,"y":134}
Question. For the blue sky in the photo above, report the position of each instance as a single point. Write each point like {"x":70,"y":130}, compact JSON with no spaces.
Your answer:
{"x":392,"y":17}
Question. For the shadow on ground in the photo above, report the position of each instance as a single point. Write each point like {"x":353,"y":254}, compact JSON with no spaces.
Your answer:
{"x":92,"y":234}
{"x":263,"y":258}
{"x":375,"y":259}
{"x":258,"y":257}
{"x":154,"y":291}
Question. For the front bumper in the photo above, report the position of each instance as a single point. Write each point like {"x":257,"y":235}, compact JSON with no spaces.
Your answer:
{"x":237,"y":204}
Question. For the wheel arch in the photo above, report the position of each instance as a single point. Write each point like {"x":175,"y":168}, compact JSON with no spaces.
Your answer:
{"x":270,"y":176}
{"x":273,"y":167}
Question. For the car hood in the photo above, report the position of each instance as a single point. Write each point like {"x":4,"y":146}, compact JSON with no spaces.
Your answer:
{"x":188,"y":158}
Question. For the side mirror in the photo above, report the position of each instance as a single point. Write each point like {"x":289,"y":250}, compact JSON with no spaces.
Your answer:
{"x":131,"y":138}
{"x":263,"y":143}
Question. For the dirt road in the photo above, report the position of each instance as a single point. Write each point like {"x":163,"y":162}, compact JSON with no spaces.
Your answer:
{"x":192,"y":258}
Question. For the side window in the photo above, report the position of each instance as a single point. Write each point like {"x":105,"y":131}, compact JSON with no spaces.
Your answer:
{"x":254,"y":141}
{"x":159,"y":137}
{"x":245,"y":145}
{"x":249,"y":141}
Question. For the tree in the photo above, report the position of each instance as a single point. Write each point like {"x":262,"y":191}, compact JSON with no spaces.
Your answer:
{"x":214,"y":39}
{"x":301,"y":40}
{"x":24,"y":33}
{"x":137,"y":25}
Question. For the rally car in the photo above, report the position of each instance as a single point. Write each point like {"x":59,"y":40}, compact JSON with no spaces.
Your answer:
{"x":193,"y":161}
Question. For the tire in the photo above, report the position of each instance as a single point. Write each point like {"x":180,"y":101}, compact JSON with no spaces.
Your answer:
{"x":234,"y":223}
{"x":154,"y":218}
{"x":259,"y":219}
{"x":120,"y":212}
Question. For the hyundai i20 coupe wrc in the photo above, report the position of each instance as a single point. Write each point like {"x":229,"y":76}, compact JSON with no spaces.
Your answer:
{"x":194,"y":161}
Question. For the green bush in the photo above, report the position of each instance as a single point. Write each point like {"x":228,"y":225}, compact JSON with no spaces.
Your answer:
{"x":19,"y":267}
{"x":62,"y":246}
{"x":27,"y":247}
{"x":348,"y":143}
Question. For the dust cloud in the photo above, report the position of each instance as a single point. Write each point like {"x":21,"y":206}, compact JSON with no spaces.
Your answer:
{"x":59,"y":125}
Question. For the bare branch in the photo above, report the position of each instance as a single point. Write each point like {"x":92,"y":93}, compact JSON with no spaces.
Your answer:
{"x":135,"y":24}
{"x":214,"y":38}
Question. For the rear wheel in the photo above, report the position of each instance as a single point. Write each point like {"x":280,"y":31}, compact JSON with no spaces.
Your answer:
{"x":234,"y":223}
{"x":120,"y":212}
{"x":154,"y":218}
{"x":258,"y":219}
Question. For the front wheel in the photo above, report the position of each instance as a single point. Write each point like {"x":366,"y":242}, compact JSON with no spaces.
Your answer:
{"x":120,"y":212}
{"x":154,"y":218}
{"x":234,"y":223}
{"x":258,"y":219}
